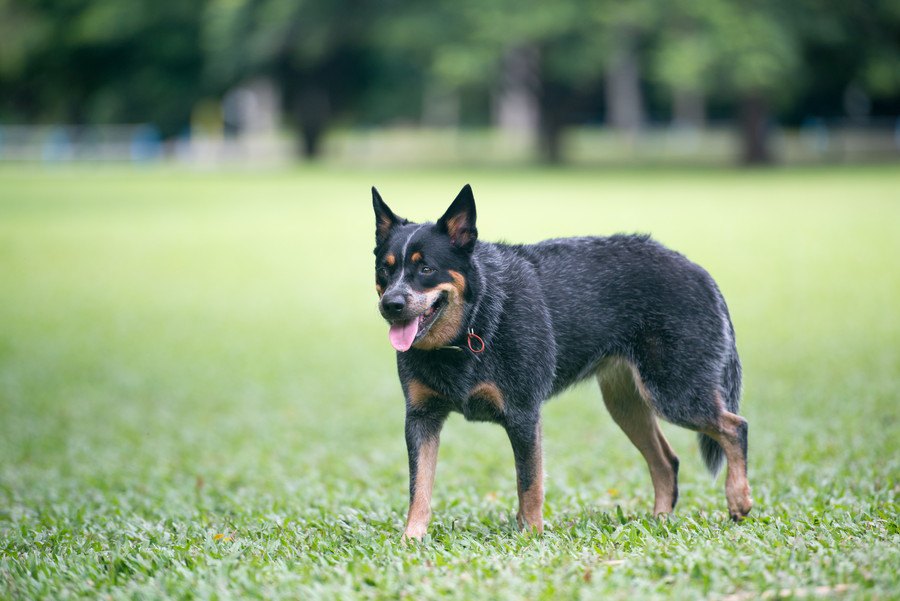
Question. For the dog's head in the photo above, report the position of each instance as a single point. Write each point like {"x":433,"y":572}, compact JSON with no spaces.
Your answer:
{"x":421,"y":272}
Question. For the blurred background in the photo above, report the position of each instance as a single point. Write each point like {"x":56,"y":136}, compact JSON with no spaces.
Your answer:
{"x":400,"y":82}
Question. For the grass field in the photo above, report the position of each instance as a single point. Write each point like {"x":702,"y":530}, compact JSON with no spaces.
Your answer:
{"x":198,"y":397}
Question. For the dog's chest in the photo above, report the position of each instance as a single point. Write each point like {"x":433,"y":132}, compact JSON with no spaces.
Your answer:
{"x":480,"y":407}
{"x":478,"y":401}
{"x":464,"y":389}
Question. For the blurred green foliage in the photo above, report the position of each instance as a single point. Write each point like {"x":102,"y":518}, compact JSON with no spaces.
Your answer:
{"x":361,"y":62}
{"x":96,"y":61}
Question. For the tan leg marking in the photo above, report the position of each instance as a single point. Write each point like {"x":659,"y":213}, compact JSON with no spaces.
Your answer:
{"x":730,"y":432}
{"x":491,"y":393}
{"x":420,"y":504}
{"x":447,"y":327}
{"x":666,"y":447}
{"x":531,"y":500}
{"x":627,"y":400}
{"x":419,"y":393}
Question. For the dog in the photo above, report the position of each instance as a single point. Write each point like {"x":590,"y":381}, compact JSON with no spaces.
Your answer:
{"x":493,"y":330}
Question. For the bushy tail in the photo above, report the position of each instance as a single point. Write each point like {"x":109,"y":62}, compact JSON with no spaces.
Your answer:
{"x":712,"y":452}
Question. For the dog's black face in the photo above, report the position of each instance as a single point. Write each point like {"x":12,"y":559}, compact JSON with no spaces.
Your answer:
{"x":421,"y":272}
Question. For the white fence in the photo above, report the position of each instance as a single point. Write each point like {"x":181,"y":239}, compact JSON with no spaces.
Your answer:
{"x":134,"y":144}
{"x":69,"y":143}
{"x":815,"y":142}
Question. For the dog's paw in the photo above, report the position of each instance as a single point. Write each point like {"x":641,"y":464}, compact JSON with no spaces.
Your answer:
{"x":739,"y":503}
{"x":738,"y":514}
{"x":414,"y":532}
{"x":536,"y":525}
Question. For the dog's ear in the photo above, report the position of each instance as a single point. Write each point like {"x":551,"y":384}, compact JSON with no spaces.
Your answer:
{"x":384,"y":218}
{"x":459,"y":220}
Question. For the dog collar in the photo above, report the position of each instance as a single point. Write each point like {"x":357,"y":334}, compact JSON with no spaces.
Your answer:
{"x":474,"y":342}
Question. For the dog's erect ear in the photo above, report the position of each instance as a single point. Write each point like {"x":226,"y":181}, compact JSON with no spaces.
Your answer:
{"x":384,"y":218}
{"x":459,"y":220}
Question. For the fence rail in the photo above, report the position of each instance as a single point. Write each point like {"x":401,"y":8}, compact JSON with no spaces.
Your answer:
{"x":815,"y":142}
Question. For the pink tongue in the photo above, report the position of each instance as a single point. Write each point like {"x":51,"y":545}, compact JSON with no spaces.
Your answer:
{"x":403,"y":334}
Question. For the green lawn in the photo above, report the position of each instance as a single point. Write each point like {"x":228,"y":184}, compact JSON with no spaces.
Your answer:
{"x":198,"y":397}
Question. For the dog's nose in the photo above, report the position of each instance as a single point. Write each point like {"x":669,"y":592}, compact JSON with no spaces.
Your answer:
{"x":394,"y":304}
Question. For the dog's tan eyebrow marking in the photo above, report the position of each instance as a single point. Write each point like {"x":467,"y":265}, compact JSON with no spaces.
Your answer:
{"x":416,"y":257}
{"x":406,"y":246}
{"x":390,"y":260}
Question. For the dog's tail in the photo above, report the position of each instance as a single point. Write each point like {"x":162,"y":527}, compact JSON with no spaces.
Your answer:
{"x":731,"y":391}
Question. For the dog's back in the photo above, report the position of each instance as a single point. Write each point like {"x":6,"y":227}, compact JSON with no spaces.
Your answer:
{"x":628,"y":295}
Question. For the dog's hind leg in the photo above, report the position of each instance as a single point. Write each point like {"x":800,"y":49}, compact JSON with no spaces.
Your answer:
{"x":627,"y":400}
{"x":730,"y":432}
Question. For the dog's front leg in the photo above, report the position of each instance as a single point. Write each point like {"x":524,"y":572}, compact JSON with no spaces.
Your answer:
{"x":423,"y":431}
{"x":525,"y":437}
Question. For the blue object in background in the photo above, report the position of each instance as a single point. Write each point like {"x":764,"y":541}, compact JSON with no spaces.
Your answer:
{"x":816,"y":134}
{"x":57,"y":145}
{"x":146,"y":144}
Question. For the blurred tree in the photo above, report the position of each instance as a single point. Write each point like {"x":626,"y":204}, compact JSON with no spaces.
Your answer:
{"x":851,"y":50}
{"x":540,"y":65}
{"x":626,"y":26}
{"x":743,"y":51}
{"x":83,"y":61}
{"x":767,"y":56}
{"x":319,"y":52}
{"x":526,"y":53}
{"x":543,"y":62}
{"x":683,"y":60}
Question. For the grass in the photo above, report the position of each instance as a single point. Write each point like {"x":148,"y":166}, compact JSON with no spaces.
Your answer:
{"x":198,"y":398}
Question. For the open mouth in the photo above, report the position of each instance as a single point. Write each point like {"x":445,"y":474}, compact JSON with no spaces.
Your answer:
{"x":404,"y":334}
{"x":430,"y":315}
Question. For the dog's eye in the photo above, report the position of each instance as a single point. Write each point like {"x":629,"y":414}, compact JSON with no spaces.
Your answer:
{"x":382,"y":272}
{"x":426,"y":270}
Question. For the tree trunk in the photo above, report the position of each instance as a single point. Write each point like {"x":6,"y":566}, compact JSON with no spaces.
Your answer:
{"x":310,"y":141}
{"x":554,"y":105}
{"x":624,"y":101}
{"x":550,"y":141}
{"x":517,"y":99}
{"x":754,"y":127}
{"x":312,"y":111}
{"x":688,"y":109}
{"x":440,"y":106}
